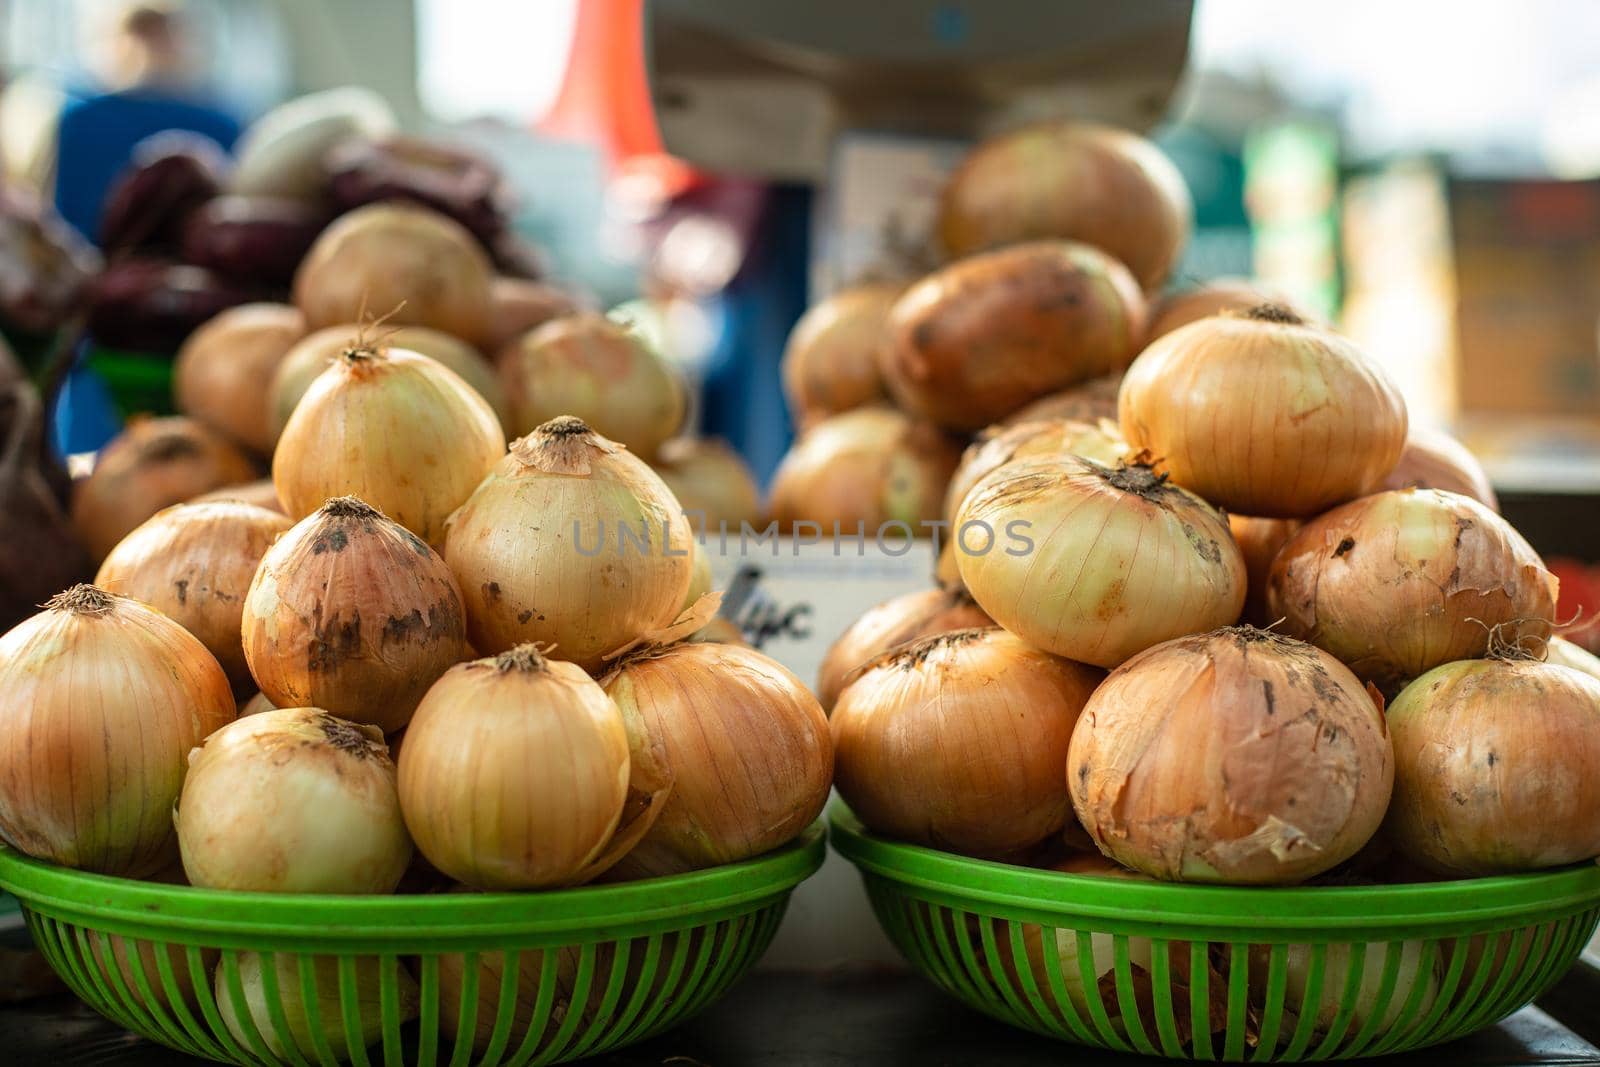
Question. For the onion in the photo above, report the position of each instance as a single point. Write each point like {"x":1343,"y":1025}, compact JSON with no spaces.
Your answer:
{"x":194,"y":563}
{"x":152,"y":464}
{"x":517,"y":305}
{"x":225,"y":368}
{"x":101,"y":699}
{"x":971,"y":343}
{"x":530,"y":964}
{"x":259,"y":703}
{"x":1411,"y":970}
{"x":1259,"y":541}
{"x":1399,"y":582}
{"x":719,"y":631}
{"x":292,"y":801}
{"x":282,"y":152}
{"x":1237,"y":756}
{"x":1219,"y":296}
{"x":958,"y":742}
{"x":542,"y":740}
{"x":394,"y":428}
{"x":1096,"y":564}
{"x":1000,"y":445}
{"x":424,"y":266}
{"x":864,"y":469}
{"x":711,"y":481}
{"x":1432,"y":459}
{"x":260,"y":493}
{"x":1322,"y":423}
{"x":331,"y":1010}
{"x":1090,"y":401}
{"x":1104,"y":186}
{"x":122,"y":958}
{"x":740,"y":742}
{"x":830,"y":363}
{"x":548,"y":548}
{"x":900,"y":621}
{"x":1495,"y":767}
{"x":312,"y":354}
{"x":1564,"y":653}
{"x":699,"y":574}
{"x":351,"y":613}
{"x":595,"y":369}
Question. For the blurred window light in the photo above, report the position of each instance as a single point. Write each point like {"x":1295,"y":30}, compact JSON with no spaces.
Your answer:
{"x":492,"y":59}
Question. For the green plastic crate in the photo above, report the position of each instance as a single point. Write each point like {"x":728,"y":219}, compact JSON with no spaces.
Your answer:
{"x":1383,"y":969}
{"x":616,"y":963}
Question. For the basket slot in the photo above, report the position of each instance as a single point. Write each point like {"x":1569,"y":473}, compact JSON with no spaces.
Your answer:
{"x":1306,"y":1012}
{"x":1457,"y":1020}
{"x":1128,"y":1006}
{"x":272,"y":995}
{"x":466,"y":1009}
{"x":594,"y":1037}
{"x":1000,"y":975}
{"x":1355,"y":961}
{"x":642,"y":988}
{"x":1200,"y":1000}
{"x":1272,"y":1005}
{"x":238,"y":1011}
{"x":428,"y":1025}
{"x":198,"y":1042}
{"x":505,"y":1015}
{"x":1056,"y":979}
{"x":1426,"y":989}
{"x":1161,"y":1003}
{"x":1237,"y":1024}
{"x":1049,"y":1017}
{"x":138,"y":1010}
{"x":671,"y":988}
{"x":389,"y":1009}
{"x":310,"y":1007}
{"x":582,"y":982}
{"x":701,"y":983}
{"x":936,"y":923}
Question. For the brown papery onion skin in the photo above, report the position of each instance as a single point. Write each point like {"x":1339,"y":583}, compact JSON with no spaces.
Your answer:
{"x":1259,"y":541}
{"x":1097,"y":184}
{"x":1116,"y":560}
{"x":1497,"y":767}
{"x":711,"y":481}
{"x":957,"y":742}
{"x":1217,"y":297}
{"x":599,"y":371}
{"x":1564,"y":653}
{"x":261,"y":493}
{"x":226,"y":366}
{"x":150,"y":465}
{"x":830,"y":363}
{"x":517,"y":305}
{"x":1263,"y":414}
{"x":194,"y":563}
{"x":1237,"y":757}
{"x":1432,"y":459}
{"x":1090,"y":402}
{"x":351,"y":613}
{"x":998,"y":446}
{"x":101,"y":699}
{"x":866,"y":467}
{"x":415,"y":266}
{"x":1399,"y":582}
{"x":394,"y":428}
{"x":743,"y":743}
{"x":539,"y":736}
{"x":514,"y":547}
{"x":902,"y":620}
{"x":719,"y":631}
{"x":973,"y":342}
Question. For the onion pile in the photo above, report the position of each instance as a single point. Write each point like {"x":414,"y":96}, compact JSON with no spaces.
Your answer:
{"x":227,"y":365}
{"x":830,"y":363}
{"x":896,"y":622}
{"x":711,"y":481}
{"x":1259,"y":541}
{"x":1432,"y":459}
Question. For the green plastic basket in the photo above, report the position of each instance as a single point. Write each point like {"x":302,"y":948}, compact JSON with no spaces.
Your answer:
{"x":1275,"y":975}
{"x":530,"y":978}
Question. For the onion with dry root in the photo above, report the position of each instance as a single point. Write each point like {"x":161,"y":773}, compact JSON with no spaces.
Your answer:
{"x":864,"y":468}
{"x":101,"y":699}
{"x":1217,"y":297}
{"x":1259,"y":541}
{"x":900,"y":621}
{"x":1399,"y":582}
{"x":517,"y":305}
{"x":1264,"y":414}
{"x":571,"y":541}
{"x":1095,"y":563}
{"x":973,"y":342}
{"x":330,"y":1008}
{"x":352,"y":613}
{"x":1432,"y":459}
{"x":226,"y":366}
{"x":150,"y":465}
{"x":1104,"y":186}
{"x":998,"y":446}
{"x":194,"y":563}
{"x":711,"y":481}
{"x":830,"y":363}
{"x":1089,"y":401}
{"x":1237,"y":756}
{"x":394,"y":428}
{"x":1497,"y":767}
{"x":958,"y":742}
{"x":599,"y":371}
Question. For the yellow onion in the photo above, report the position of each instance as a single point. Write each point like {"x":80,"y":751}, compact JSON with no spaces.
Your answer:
{"x":1089,"y":401}
{"x":517,"y":305}
{"x":301,"y":1038}
{"x":998,"y":446}
{"x":1495,"y":767}
{"x":262,"y":493}
{"x":899,"y":621}
{"x":830,"y":363}
{"x":1412,"y":969}
{"x":541,"y":739}
{"x":123,"y":956}
{"x":101,"y":699}
{"x":351,"y":613}
{"x":420,"y":267}
{"x":150,"y":465}
{"x":1216,"y":297}
{"x":1259,"y":541}
{"x":1399,"y":582}
{"x":711,"y":481}
{"x":571,"y":541}
{"x":194,"y":563}
{"x":530,"y":964}
{"x":958,"y":741}
{"x":1104,"y":186}
{"x":1237,"y":756}
{"x":719,"y":631}
{"x":1564,"y":653}
{"x":394,"y":428}
{"x":292,"y":801}
{"x":699,"y":575}
{"x":1094,"y":563}
{"x":599,"y":371}
{"x":1432,"y":459}
{"x":741,"y":742}
{"x":313,"y":353}
{"x":864,"y":469}
{"x":1264,"y":414}
{"x":973,"y":342}
{"x":226,"y":366}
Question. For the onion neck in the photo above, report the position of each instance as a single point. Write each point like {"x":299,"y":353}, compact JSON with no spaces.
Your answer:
{"x":564,"y":445}
{"x":1274,"y":313}
{"x":85,"y":600}
{"x":349,"y":507}
{"x":349,"y":738}
{"x":914,"y":655}
{"x":523,"y":659}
